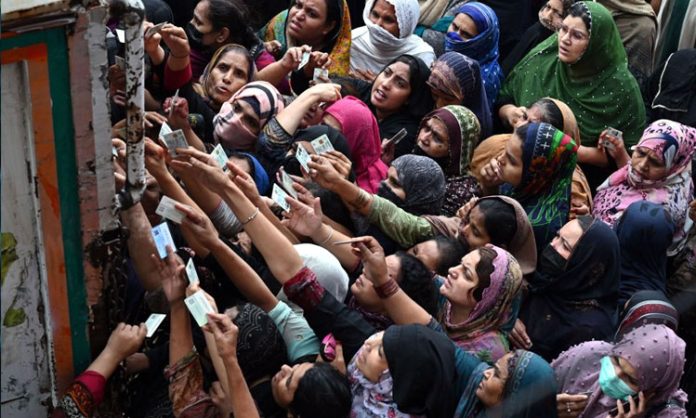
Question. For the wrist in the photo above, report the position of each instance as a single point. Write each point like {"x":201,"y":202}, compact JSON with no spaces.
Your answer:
{"x":386,"y":288}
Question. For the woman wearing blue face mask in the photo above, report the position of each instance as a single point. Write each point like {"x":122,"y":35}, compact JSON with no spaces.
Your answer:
{"x":636,"y":377}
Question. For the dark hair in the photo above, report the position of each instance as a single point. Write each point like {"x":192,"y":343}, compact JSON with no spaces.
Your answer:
{"x":484,"y":268}
{"x":417,"y":282}
{"x":451,"y":252}
{"x":579,"y":9}
{"x":566,"y":6}
{"x":332,"y":205}
{"x":420,"y":101}
{"x":234,"y":15}
{"x":322,"y":389}
{"x":550,"y":113}
{"x":521,"y":131}
{"x":500,"y":221}
{"x":334,"y":13}
{"x":585,"y":222}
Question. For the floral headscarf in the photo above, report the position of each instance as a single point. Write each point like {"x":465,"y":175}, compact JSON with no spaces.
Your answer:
{"x":674,"y":143}
{"x":480,"y":332}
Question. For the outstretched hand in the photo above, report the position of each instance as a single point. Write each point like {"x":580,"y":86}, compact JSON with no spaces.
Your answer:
{"x":373,"y":259}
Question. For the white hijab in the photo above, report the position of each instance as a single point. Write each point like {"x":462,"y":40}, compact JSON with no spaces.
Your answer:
{"x":372,"y":47}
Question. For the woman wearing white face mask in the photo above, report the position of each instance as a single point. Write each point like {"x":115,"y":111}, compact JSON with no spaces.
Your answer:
{"x":388,"y":33}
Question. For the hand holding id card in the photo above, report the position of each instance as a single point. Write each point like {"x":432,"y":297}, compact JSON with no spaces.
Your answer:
{"x":166,"y":209}
{"x":163,"y":238}
{"x":303,"y":157}
{"x":322,"y":144}
{"x":199,"y":307}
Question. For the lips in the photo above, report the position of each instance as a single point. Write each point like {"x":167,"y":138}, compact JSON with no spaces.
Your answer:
{"x":379,"y":95}
{"x":294,"y":25}
{"x":562,"y":50}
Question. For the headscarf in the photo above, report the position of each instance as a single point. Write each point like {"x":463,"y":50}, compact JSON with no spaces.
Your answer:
{"x":260,"y":346}
{"x":580,"y":302}
{"x":464,"y":133}
{"x":522,"y":246}
{"x":598,"y":87}
{"x":480,"y":332}
{"x":204,"y":81}
{"x":647,"y":307}
{"x":373,"y":47}
{"x":530,"y":390}
{"x":675,"y":89}
{"x":423,"y":182}
{"x":259,"y":174}
{"x":420,"y":100}
{"x":337,"y":45}
{"x":656,"y":353}
{"x":645,"y":233}
{"x":421,"y":363}
{"x":460,"y":76}
{"x":673,"y":143}
{"x":482,"y":47}
{"x":326,"y":267}
{"x":549,"y":157}
{"x":360,"y":129}
{"x":229,"y":130}
{"x":372,"y":399}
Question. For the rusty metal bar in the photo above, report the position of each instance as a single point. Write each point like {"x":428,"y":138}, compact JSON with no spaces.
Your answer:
{"x":132,"y":13}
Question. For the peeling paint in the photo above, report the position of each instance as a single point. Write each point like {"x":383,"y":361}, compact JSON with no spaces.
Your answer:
{"x":9,"y":253}
{"x":14,"y":317}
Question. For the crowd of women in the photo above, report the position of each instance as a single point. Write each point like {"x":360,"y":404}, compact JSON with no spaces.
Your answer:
{"x":427,"y":208}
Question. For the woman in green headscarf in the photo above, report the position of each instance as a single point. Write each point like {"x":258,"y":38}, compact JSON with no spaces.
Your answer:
{"x":585,"y":66}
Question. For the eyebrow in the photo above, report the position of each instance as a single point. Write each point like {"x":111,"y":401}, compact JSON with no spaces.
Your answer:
{"x":510,"y":156}
{"x":398,"y":77}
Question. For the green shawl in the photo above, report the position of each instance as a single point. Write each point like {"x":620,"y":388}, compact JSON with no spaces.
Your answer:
{"x":598,"y":87}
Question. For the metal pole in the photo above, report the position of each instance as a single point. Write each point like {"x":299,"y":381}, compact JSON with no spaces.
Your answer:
{"x":132,"y":13}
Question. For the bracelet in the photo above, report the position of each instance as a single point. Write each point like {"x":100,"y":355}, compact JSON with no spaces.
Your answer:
{"x":387,"y":289}
{"x":329,"y":237}
{"x":251,"y":217}
{"x":182,"y":56}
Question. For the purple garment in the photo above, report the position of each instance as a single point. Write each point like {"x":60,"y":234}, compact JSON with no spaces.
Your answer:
{"x":655,"y":351}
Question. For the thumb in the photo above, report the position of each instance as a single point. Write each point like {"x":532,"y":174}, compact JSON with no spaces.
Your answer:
{"x":317,"y":207}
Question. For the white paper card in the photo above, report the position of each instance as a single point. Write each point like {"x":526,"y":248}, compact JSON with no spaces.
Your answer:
{"x":303,"y":157}
{"x":173,"y":102}
{"x":154,"y":29}
{"x":121,"y":35}
{"x":278,"y":195}
{"x":322,"y":144}
{"x":220,"y":156}
{"x":199,"y":307}
{"x":174,"y":140}
{"x":164,"y":130}
{"x":319,"y":74}
{"x":286,"y":182}
{"x":167,"y":210}
{"x":153,"y":322}
{"x":162,"y":238}
{"x":304,"y":60}
{"x":191,"y":272}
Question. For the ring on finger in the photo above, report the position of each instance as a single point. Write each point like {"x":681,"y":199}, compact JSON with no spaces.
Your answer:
{"x":568,"y":407}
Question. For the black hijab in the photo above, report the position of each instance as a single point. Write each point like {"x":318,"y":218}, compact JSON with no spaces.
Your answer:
{"x":422,"y":365}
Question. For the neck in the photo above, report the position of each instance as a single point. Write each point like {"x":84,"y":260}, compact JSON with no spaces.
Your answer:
{"x":459,"y":313}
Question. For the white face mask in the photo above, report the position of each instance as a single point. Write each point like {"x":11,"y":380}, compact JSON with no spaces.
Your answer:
{"x":382,"y":38}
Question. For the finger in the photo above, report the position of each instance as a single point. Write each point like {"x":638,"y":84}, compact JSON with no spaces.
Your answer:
{"x":619,"y":407}
{"x":641,"y":401}
{"x":632,"y":404}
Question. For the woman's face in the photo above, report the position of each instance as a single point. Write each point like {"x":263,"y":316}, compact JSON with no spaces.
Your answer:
{"x":284,"y":383}
{"x":246,"y":113}
{"x":393,"y":183}
{"x":573,"y":39}
{"x":433,"y":138}
{"x":647,"y":164}
{"x":626,"y":372}
{"x":229,"y":75}
{"x":307,"y":22}
{"x":491,"y":388}
{"x":511,"y":165}
{"x":371,"y":360}
{"x":551,"y":13}
{"x":391,"y":88}
{"x":364,"y":291}
{"x":427,"y":252}
{"x":461,"y":281}
{"x":383,"y":14}
{"x":314,"y":116}
{"x":473,"y":228}
{"x":464,"y":26}
{"x":204,"y":25}
{"x":567,"y":238}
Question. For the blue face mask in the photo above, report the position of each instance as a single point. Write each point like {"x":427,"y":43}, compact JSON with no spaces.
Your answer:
{"x":611,"y":384}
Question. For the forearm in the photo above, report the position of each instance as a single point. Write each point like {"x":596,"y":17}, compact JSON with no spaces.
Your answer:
{"x":141,"y":246}
{"x":292,"y":115}
{"x":178,"y":63}
{"x":218,"y":363}
{"x":180,"y":339}
{"x":282,"y":259}
{"x":592,"y":156}
{"x":404,"y":228}
{"x":268,"y":213}
{"x":273,"y":73}
{"x":157,"y":56}
{"x":356,"y":198}
{"x":193,"y":140}
{"x":105,"y":364}
{"x":325,"y":237}
{"x":403,"y":310}
{"x":242,"y":403}
{"x":244,"y":277}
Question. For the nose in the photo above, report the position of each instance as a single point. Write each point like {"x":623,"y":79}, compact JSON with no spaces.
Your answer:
{"x":488,"y":373}
{"x":227,"y":77}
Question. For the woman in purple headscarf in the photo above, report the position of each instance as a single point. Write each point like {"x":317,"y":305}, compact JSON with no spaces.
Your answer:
{"x":642,"y":370}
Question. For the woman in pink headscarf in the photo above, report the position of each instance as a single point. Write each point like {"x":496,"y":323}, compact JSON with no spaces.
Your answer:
{"x":658,"y":171}
{"x":240,"y":120}
{"x":353,"y":118}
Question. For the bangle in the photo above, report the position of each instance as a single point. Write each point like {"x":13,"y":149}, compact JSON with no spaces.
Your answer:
{"x":175,"y":56}
{"x":328,"y":237}
{"x":251,"y":217}
{"x":387,"y":289}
